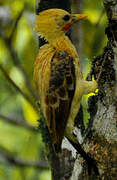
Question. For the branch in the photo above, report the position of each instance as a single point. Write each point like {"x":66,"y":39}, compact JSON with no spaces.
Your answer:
{"x":15,"y":59}
{"x":16,"y":63}
{"x":18,"y":123}
{"x":21,"y":163}
{"x":15,"y":25}
{"x":17,"y":88}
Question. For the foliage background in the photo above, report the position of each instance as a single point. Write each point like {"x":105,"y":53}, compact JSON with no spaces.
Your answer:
{"x":18,"y":49}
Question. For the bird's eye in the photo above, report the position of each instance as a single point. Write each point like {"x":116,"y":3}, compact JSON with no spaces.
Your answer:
{"x":66,"y":18}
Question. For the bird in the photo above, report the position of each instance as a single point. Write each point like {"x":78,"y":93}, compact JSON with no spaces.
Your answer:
{"x":58,"y":75}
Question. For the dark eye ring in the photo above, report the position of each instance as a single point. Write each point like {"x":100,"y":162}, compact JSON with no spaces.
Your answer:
{"x":66,"y":18}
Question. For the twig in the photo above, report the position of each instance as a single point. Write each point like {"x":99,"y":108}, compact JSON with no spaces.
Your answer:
{"x":15,"y":24}
{"x":17,"y":88}
{"x":21,"y":163}
{"x":18,"y":122}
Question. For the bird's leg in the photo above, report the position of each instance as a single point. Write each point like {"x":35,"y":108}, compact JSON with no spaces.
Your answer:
{"x":86,"y":88}
{"x":92,"y":164}
{"x":70,"y":124}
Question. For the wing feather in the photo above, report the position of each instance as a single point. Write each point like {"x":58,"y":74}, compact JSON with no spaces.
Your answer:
{"x":59,"y":95}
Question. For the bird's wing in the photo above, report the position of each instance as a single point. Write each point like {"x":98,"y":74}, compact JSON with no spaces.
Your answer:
{"x":42,"y":72}
{"x":59,"y":95}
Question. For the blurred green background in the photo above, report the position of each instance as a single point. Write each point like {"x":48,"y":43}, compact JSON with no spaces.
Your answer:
{"x":19,"y":139}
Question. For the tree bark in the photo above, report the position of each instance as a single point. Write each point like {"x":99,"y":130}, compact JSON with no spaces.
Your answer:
{"x":101,"y":143}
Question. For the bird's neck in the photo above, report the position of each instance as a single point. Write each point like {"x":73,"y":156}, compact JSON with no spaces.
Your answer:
{"x":63,"y":43}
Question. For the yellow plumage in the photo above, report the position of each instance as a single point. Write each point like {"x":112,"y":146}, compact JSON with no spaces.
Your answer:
{"x":57,"y":74}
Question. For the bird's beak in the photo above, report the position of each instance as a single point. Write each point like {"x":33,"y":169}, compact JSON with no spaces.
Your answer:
{"x":77,"y":17}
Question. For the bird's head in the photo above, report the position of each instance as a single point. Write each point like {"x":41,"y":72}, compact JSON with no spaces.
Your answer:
{"x":53,"y":23}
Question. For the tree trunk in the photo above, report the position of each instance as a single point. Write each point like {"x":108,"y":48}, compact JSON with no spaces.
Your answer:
{"x":101,"y":144}
{"x":77,"y":35}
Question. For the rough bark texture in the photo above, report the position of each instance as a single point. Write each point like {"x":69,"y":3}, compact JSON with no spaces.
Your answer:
{"x":101,"y":144}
